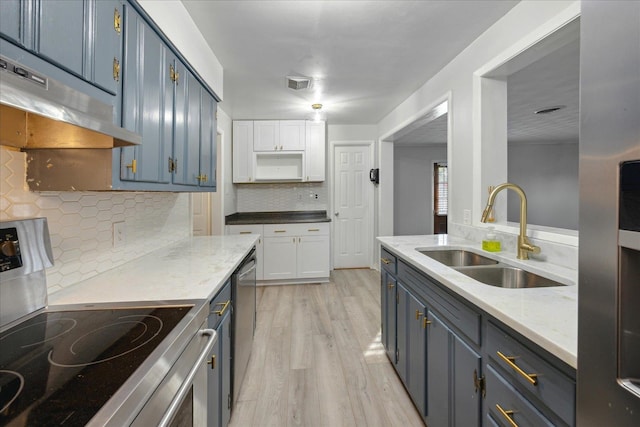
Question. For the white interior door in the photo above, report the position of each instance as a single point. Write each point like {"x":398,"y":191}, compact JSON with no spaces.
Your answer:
{"x":352,"y":204}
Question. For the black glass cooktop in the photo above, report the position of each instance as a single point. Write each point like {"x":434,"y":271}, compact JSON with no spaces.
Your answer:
{"x":60,"y":368}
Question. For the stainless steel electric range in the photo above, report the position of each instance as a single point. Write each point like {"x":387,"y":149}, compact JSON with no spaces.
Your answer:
{"x":97,"y":364}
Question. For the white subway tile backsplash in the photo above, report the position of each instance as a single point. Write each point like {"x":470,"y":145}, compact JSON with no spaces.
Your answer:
{"x":304,"y":196}
{"x":81,"y":223}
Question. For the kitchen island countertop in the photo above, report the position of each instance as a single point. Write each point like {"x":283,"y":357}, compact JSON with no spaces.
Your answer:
{"x":194,"y":268}
{"x":547,"y":316}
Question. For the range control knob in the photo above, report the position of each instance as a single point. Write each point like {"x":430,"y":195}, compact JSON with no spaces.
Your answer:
{"x":8,"y":248}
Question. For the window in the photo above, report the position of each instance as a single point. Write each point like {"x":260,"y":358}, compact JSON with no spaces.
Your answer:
{"x":441,"y":189}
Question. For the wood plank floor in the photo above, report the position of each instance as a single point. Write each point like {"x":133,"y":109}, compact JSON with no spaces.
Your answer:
{"x":317,"y":359}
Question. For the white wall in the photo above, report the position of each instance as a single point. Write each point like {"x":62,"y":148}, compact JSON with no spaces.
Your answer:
{"x":457,"y":77}
{"x":413,"y":188}
{"x":548,"y":174}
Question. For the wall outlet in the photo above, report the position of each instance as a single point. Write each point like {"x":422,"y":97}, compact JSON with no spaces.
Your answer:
{"x":466,"y":219}
{"x":119,"y":234}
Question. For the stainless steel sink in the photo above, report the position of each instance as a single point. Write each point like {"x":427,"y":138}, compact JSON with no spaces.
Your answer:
{"x":458,"y":257}
{"x":508,"y":277}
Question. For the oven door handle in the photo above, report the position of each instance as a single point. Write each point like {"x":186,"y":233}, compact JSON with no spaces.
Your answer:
{"x":244,"y":273}
{"x":186,"y":385}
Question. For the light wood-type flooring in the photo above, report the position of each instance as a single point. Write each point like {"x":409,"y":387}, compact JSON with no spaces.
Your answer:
{"x":317,"y":359}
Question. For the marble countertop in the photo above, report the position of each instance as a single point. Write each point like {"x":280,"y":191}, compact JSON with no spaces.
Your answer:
{"x":194,"y":268}
{"x":284,"y":217}
{"x":546,"y":316}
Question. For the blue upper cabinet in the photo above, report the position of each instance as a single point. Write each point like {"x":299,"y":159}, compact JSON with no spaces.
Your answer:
{"x":208,"y":140}
{"x":186,"y":145}
{"x":61,"y":33}
{"x":11,"y":21}
{"x":147,"y":102}
{"x":83,"y":37}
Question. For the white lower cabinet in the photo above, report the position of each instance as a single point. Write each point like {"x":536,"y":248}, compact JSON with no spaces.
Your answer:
{"x":290,"y":252}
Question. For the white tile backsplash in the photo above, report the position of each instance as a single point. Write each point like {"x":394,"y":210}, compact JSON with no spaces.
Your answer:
{"x":81,"y":223}
{"x":304,"y":196}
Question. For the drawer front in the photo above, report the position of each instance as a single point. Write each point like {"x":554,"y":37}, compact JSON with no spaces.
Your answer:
{"x":521,"y":365}
{"x":220,"y":305}
{"x":388,"y":261}
{"x":507,"y":407}
{"x":245,"y":229}
{"x":281,"y":230}
{"x":456,"y":313}
{"x":313,"y":229}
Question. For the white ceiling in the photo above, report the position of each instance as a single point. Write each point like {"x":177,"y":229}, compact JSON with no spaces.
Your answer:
{"x":367,"y":56}
{"x":546,"y":75}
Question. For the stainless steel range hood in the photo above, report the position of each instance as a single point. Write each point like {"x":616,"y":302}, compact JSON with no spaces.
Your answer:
{"x":38,"y":112}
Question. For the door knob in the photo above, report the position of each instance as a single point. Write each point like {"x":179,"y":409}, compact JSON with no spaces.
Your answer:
{"x":337,"y":214}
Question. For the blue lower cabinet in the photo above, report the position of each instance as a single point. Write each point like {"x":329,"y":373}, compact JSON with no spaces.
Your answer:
{"x":388,"y":307}
{"x":461,"y":366}
{"x":219,"y":372}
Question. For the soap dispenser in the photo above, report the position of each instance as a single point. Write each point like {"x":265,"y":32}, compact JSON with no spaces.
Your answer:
{"x":490,"y":243}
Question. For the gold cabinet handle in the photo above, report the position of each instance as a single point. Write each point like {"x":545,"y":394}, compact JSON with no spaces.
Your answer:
{"x":224,"y":307}
{"x":117,"y":21}
{"x":116,"y":69}
{"x":507,"y":415}
{"x":212,"y":362}
{"x":418,"y":314}
{"x":313,"y":229}
{"x":390,"y":285}
{"x":279,"y":231}
{"x":133,"y":166}
{"x":245,"y":232}
{"x":386,"y":261}
{"x":425,"y":322}
{"x":532,"y":378}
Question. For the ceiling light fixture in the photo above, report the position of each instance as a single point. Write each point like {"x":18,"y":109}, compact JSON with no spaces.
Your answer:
{"x":317,"y":115}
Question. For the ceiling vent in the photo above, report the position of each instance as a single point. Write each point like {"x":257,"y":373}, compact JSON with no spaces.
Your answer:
{"x":298,"y":83}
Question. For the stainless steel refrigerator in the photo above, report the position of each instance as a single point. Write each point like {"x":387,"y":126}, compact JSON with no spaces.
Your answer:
{"x":609,"y":266}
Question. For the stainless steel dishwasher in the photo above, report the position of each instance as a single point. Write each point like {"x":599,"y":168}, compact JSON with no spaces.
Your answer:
{"x":243,"y":297}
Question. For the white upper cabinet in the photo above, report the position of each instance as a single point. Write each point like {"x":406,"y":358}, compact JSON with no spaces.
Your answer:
{"x":266,"y":135}
{"x":315,"y":153}
{"x":243,"y":151}
{"x":279,"y":135}
{"x":292,"y":135}
{"x":278,"y":151}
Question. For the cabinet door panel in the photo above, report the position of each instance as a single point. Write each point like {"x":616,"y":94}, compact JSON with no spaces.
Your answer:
{"x":416,"y":348}
{"x":214,"y":379}
{"x":438,"y":372}
{"x":388,"y":306}
{"x":10,"y":20}
{"x":186,"y":144}
{"x":266,"y":135}
{"x":62,"y":33}
{"x":402,"y":332}
{"x":292,"y":135}
{"x":279,"y":258}
{"x":225,"y":362}
{"x":467,"y":400}
{"x":313,"y":256}
{"x":106,"y":44}
{"x":208,"y":139}
{"x":242,"y":151}
{"x":147,"y":101}
{"x":315,"y":151}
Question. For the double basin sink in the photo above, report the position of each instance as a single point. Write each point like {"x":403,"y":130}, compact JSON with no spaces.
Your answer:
{"x":487,"y":270}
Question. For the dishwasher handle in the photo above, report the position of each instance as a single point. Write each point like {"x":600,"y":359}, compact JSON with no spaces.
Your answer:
{"x":186,"y":385}
{"x":245,"y":272}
